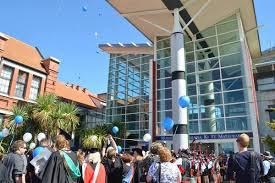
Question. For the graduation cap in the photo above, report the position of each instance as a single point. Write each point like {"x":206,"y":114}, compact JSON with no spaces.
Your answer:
{"x":65,"y":134}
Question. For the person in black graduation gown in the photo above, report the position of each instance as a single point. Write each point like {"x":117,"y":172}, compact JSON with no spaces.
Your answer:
{"x":4,"y":176}
{"x":57,"y":169}
{"x":112,"y":162}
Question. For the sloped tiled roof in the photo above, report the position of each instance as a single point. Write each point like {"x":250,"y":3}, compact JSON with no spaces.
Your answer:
{"x":22,"y":53}
{"x":76,"y":94}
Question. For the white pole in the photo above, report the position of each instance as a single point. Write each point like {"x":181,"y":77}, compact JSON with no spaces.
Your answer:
{"x":180,"y":137}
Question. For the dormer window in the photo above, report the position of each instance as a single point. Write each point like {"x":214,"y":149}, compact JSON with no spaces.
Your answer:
{"x":3,"y":39}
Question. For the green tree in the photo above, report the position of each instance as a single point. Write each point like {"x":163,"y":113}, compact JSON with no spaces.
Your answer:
{"x":270,"y":143}
{"x":48,"y":114}
{"x":268,"y":139}
{"x":94,"y":138}
{"x":51,"y":114}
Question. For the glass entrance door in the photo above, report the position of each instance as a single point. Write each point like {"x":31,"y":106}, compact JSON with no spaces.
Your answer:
{"x":225,"y":148}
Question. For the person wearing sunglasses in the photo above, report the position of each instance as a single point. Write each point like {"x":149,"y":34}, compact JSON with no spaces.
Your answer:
{"x":16,"y":162}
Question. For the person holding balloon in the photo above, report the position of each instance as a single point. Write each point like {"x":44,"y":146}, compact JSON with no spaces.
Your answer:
{"x":16,"y":162}
{"x":112,"y":161}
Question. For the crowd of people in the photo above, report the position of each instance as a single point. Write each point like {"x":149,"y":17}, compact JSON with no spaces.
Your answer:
{"x":159,"y":165}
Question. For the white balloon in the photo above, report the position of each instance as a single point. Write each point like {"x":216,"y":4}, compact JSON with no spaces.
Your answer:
{"x":93,"y":137}
{"x":27,"y":137}
{"x":5,"y":132}
{"x":41,"y":136}
{"x":32,"y":145}
{"x":147,"y":137}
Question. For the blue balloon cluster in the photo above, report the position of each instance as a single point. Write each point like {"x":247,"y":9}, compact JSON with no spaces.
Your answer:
{"x":18,"y":119}
{"x":168,"y":123}
{"x":37,"y":151}
{"x":1,"y":135}
{"x":184,"y":101}
{"x":119,"y":149}
{"x":115,"y":129}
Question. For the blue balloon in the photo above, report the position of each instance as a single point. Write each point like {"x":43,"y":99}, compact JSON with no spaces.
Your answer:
{"x":1,"y":135}
{"x":119,"y":149}
{"x":184,"y":101}
{"x":115,"y":129}
{"x":168,"y":123}
{"x":37,"y":151}
{"x":18,"y":119}
{"x":84,"y":8}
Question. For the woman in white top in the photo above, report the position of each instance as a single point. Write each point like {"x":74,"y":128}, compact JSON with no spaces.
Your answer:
{"x":164,"y":171}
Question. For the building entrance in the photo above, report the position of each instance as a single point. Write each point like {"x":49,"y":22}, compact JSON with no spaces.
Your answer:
{"x":213,"y":148}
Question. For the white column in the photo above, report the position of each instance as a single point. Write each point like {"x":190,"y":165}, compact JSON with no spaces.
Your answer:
{"x":151,"y":99}
{"x":210,"y":100}
{"x":180,"y":137}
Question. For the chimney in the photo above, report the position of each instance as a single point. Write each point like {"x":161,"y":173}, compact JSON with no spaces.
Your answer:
{"x":51,"y":65}
{"x":3,"y":39}
{"x":77,"y":87}
{"x":85,"y":90}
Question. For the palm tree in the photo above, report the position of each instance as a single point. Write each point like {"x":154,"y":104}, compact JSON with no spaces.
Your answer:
{"x":22,"y":110}
{"x":43,"y":112}
{"x":67,"y":116}
{"x":48,"y":114}
{"x":100,"y":131}
{"x":94,"y":138}
{"x":52,"y":114}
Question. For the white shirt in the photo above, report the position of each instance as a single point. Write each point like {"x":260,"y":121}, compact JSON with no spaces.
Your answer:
{"x":266,"y":165}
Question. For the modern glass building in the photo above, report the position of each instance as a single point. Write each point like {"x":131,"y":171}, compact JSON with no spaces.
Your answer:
{"x":216,"y":82}
{"x":129,"y":89}
{"x":218,"y":51}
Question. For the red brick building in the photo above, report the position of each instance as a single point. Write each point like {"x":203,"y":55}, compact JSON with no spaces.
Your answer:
{"x":25,"y":74}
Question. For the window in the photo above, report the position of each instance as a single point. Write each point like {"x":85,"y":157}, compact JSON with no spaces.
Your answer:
{"x":5,"y":78}
{"x":21,"y":84}
{"x":271,"y":112}
{"x":35,"y":86}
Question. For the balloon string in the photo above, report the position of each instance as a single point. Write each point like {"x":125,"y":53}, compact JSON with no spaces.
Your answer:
{"x":13,"y":128}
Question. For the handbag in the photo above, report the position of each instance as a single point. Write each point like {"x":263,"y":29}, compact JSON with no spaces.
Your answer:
{"x":159,"y":174}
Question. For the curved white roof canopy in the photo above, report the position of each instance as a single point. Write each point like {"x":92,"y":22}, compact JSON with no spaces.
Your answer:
{"x":153,"y":18}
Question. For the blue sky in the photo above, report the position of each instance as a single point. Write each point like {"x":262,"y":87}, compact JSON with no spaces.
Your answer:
{"x":60,"y":28}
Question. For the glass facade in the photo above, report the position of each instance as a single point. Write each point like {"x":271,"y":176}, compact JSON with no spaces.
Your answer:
{"x":128,"y":92}
{"x":91,"y":118}
{"x":215,"y":80}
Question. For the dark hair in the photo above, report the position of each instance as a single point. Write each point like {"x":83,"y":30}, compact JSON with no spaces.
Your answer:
{"x":17,"y":144}
{"x":138,"y":151}
{"x":44,"y":142}
{"x":111,"y":153}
